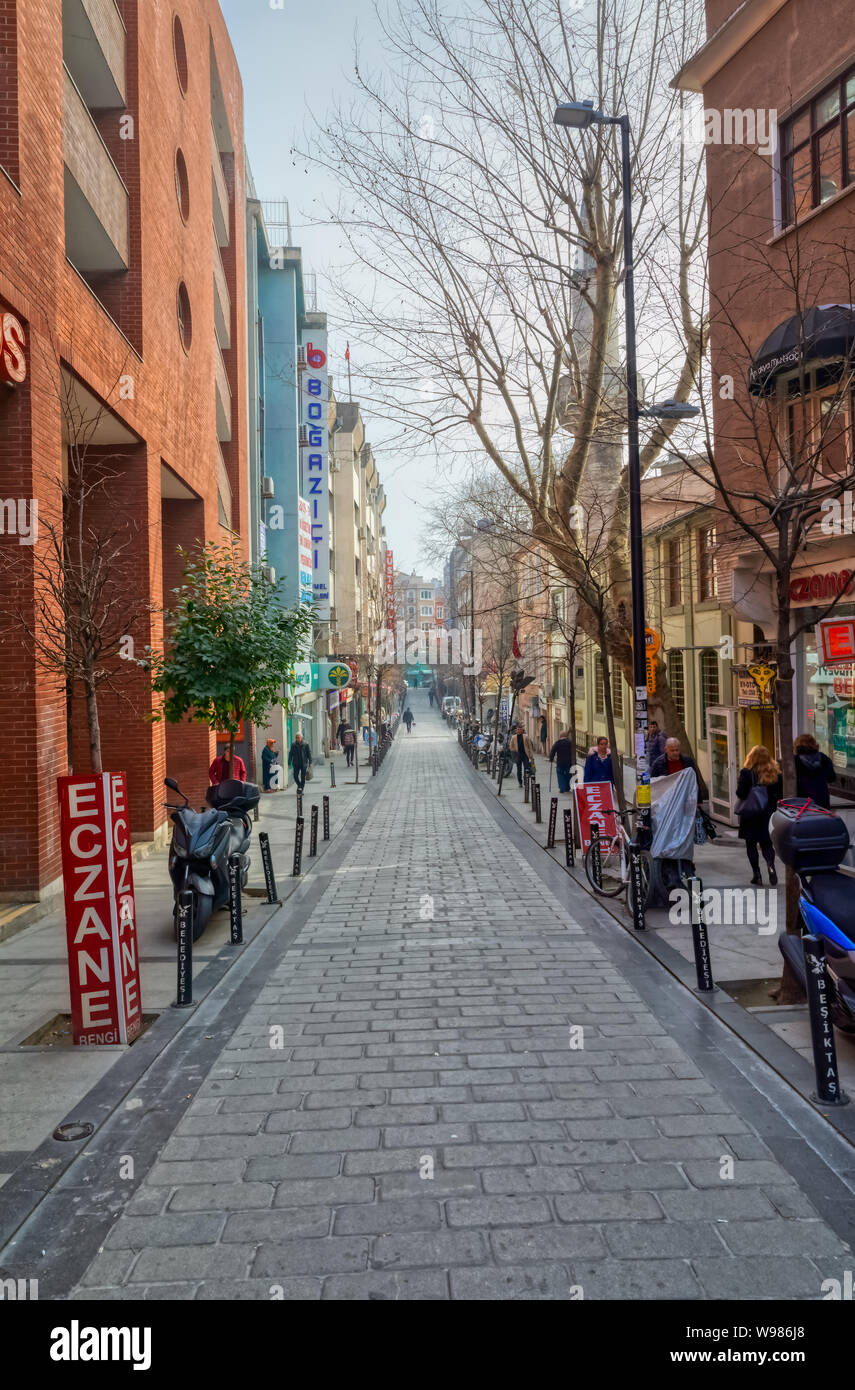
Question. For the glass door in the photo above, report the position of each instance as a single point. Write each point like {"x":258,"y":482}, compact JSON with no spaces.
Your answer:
{"x":721,"y":734}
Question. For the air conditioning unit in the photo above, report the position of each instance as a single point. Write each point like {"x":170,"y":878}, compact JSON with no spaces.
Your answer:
{"x":304,"y":434}
{"x":549,"y":692}
{"x":268,"y":488}
{"x":301,"y":359}
{"x":269,"y":574}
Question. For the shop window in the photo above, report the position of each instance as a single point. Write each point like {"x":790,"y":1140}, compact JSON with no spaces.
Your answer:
{"x":709,"y":685}
{"x":818,"y":158}
{"x":707,"y":568}
{"x":677,"y":682}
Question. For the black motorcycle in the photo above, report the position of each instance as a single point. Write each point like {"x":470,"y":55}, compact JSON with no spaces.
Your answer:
{"x":203,"y":842}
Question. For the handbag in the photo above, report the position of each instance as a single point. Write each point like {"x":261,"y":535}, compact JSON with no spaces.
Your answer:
{"x":309,"y":773}
{"x":756,"y":803}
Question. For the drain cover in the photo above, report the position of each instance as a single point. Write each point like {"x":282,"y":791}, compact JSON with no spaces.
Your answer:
{"x":78,"y":1129}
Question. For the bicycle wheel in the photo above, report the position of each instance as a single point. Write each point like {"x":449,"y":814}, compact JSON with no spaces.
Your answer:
{"x":612,"y":880}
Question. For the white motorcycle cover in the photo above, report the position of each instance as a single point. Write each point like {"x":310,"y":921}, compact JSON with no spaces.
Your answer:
{"x":674,"y":806}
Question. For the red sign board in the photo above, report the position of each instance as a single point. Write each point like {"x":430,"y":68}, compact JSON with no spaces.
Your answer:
{"x":390,"y":589}
{"x":836,"y":641}
{"x":594,"y":803}
{"x":13,"y":361}
{"x":100,"y":913}
{"x":820,"y":588}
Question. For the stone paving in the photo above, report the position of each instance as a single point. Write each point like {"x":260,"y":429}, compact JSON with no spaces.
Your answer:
{"x":406,"y":1112}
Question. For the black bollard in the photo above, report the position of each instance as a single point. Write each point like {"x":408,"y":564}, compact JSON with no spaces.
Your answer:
{"x":700,"y":939}
{"x":537,"y":813}
{"x":596,"y":860}
{"x":313,"y":833}
{"x":298,"y":848}
{"x":553,"y":818}
{"x":636,"y":888}
{"x":299,"y":803}
{"x":501,"y":777}
{"x":184,"y":995}
{"x":267,"y":864}
{"x":828,"y":1090}
{"x":332,"y":774}
{"x":235,"y":903}
{"x":326,"y":817}
{"x":526,"y":787}
{"x":569,"y":857}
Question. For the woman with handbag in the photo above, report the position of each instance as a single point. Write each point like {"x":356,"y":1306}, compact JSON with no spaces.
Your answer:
{"x":758,"y":791}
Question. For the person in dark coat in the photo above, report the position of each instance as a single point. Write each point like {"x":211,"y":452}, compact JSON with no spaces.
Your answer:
{"x":269,"y":762}
{"x":673,"y":760}
{"x":814,"y":771}
{"x":598,"y":764}
{"x":761,"y":786}
{"x":656,"y":741}
{"x":544,"y":734}
{"x":347,"y":739}
{"x":561,"y":754}
{"x":409,"y":719}
{"x":222,"y":769}
{"x":298,"y":760}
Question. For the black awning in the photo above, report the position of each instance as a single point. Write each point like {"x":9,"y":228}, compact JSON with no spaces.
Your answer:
{"x":825,"y":331}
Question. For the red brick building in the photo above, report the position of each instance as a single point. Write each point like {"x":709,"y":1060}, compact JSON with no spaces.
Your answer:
{"x":122,"y":256}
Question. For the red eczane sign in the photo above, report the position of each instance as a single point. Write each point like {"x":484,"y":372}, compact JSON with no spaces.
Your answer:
{"x":13,"y":361}
{"x":595,"y":804}
{"x":100,"y":912}
{"x":836,"y":641}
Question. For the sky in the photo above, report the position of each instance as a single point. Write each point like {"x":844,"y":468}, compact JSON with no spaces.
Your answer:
{"x":295,"y":61}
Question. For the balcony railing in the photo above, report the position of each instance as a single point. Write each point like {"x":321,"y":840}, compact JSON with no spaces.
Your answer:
{"x":220,"y":194}
{"x":223,"y":395}
{"x":222,"y":301}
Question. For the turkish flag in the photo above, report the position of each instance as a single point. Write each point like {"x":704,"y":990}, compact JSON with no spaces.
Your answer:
{"x":347,"y":353}
{"x":516,"y":647}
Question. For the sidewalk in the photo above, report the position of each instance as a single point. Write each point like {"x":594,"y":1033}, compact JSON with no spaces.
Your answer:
{"x":746,"y":961}
{"x":40,"y":1084}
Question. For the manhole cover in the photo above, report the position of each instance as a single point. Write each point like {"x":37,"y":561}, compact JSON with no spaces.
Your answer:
{"x":77,"y":1129}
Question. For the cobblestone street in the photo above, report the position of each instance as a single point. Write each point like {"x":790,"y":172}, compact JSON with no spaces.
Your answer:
{"x":402,"y":1110}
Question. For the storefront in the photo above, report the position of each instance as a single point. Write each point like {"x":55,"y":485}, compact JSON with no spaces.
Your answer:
{"x":825,"y":695}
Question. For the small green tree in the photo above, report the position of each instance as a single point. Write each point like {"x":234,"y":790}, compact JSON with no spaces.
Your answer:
{"x":231,"y":643}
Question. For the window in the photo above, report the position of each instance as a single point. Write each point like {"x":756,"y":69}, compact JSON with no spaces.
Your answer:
{"x":818,"y":149}
{"x":707,"y":571}
{"x":180,"y":50}
{"x":677,"y":682}
{"x":674,"y":573}
{"x":617,"y":692}
{"x":426,"y":611}
{"x":818,"y":429}
{"x":182,"y":185}
{"x":185,"y":317}
{"x":599,"y":691}
{"x":709,"y":685}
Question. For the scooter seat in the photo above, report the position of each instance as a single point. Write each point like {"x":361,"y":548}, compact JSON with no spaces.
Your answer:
{"x":834,"y":894}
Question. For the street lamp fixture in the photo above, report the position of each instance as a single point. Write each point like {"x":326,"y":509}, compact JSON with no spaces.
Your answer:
{"x":670,"y":410}
{"x":579,"y":115}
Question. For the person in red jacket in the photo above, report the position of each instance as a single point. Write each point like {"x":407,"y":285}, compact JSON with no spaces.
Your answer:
{"x":221,"y":769}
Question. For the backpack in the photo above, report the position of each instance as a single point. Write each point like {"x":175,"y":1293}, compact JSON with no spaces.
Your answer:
{"x":349,"y":738}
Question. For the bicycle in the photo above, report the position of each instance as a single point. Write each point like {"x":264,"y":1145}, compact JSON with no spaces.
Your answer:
{"x":614,"y":860}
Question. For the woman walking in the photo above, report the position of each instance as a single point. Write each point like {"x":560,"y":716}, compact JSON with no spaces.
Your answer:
{"x":758,"y":790}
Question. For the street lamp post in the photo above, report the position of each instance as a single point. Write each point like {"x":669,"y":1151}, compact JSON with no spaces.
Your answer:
{"x":579,"y":115}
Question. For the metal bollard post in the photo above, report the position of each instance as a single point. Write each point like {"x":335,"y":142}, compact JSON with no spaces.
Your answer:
{"x":596,"y":859}
{"x":501,"y":777}
{"x":569,"y":855}
{"x":526,"y":787}
{"x":326,"y":817}
{"x":313,"y":833}
{"x":235,"y":903}
{"x":267,"y":863}
{"x":828,"y":1090}
{"x":553,"y":817}
{"x":184,"y":995}
{"x":538,"y":819}
{"x":636,"y":888}
{"x":700,"y":940}
{"x":298,"y":848}
{"x":332,"y":774}
{"x":299,"y":803}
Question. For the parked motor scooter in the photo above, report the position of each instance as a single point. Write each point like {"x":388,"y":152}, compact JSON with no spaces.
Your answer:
{"x":813,"y":842}
{"x":203,"y":842}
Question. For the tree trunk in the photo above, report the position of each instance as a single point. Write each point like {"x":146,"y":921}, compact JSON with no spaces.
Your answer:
{"x":789,"y":990}
{"x":94,"y":724}
{"x":617,"y":762}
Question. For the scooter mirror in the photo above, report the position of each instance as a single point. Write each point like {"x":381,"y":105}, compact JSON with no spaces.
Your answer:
{"x":172,"y":784}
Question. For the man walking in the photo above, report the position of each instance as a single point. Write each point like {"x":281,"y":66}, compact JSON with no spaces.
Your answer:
{"x":561,"y":754}
{"x":408,"y":719}
{"x":347,"y":739}
{"x":299,"y":759}
{"x":522,"y":749}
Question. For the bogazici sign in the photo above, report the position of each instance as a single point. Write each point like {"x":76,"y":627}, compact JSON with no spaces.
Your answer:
{"x":100,"y":917}
{"x":315,"y":463}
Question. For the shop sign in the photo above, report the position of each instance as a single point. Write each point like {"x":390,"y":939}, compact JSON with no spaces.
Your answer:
{"x":835,"y":640}
{"x":13,"y":360}
{"x":652,"y":644}
{"x":304,"y":550}
{"x":390,"y":589}
{"x":594,"y":802}
{"x":100,"y":912}
{"x":315,"y":470}
{"x":820,"y":588}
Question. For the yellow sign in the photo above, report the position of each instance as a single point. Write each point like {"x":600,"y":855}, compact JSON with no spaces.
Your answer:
{"x":652,"y":643}
{"x":642,"y":794}
{"x":339,"y":676}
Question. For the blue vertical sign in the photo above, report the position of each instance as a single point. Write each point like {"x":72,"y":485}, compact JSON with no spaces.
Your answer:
{"x":315,"y":463}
